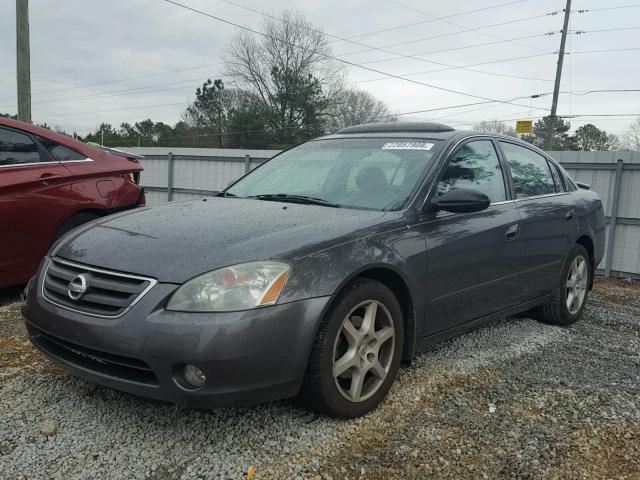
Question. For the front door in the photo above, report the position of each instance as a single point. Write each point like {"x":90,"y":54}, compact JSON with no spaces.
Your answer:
{"x":472,"y":258}
{"x":33,"y":187}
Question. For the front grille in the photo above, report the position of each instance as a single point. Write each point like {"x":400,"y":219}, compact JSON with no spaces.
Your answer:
{"x":107,"y":294}
{"x":117,"y":366}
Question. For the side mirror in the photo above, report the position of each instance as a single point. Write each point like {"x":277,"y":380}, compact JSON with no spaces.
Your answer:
{"x":461,"y":200}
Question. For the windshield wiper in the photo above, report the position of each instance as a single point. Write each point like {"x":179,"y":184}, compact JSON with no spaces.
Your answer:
{"x":225,"y":194}
{"x":285,"y":197}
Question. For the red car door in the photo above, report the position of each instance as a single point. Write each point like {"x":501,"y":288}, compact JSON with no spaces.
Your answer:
{"x":34,"y":188}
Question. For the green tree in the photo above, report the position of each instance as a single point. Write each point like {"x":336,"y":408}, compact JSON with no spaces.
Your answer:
{"x":293,"y":86}
{"x":590,"y":138}
{"x":208,"y":111}
{"x":495,"y":127}
{"x":559,"y":129}
{"x":354,"y":107}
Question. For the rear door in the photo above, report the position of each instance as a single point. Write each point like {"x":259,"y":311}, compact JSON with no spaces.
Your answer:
{"x":548,"y":216}
{"x":33,"y":192}
{"x":472,"y":258}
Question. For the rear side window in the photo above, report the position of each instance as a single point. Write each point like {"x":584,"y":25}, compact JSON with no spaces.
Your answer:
{"x":529,"y":170}
{"x":60,"y":153}
{"x":475,"y":165}
{"x":17,"y":148}
{"x":557,"y":178}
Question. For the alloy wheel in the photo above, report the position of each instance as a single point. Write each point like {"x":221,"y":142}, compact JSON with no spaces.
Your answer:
{"x":576,"y":284}
{"x":363,"y":350}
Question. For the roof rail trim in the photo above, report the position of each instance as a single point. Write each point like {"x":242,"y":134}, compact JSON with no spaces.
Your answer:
{"x":388,"y":127}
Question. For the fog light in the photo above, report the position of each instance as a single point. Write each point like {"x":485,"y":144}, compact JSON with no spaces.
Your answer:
{"x":193,"y":375}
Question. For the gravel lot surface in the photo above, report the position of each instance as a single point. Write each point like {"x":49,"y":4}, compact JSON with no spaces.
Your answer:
{"x":515,"y":399}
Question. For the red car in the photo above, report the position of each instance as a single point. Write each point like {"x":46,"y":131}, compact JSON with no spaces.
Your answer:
{"x":51,"y":183}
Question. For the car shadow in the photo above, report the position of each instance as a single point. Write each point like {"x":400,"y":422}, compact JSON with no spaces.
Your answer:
{"x":10,"y":294}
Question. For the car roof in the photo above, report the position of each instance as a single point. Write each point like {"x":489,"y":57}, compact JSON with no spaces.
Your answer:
{"x":434,"y":131}
{"x":426,"y":130}
{"x":59,"y":138}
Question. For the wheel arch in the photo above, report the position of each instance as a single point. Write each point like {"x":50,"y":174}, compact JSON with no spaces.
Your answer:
{"x":587,"y":243}
{"x":395,"y":281}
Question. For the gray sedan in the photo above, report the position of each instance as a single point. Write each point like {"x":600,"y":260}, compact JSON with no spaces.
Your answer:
{"x":321,"y":271}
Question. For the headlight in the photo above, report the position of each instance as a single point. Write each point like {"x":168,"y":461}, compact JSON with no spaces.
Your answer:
{"x":239,"y":287}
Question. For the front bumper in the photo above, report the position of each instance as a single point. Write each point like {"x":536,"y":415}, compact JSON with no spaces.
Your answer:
{"x":248,"y":357}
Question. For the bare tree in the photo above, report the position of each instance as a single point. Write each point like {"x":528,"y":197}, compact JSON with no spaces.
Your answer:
{"x":288,"y":70}
{"x":495,"y":127}
{"x":354,"y":107}
{"x":631,"y":139}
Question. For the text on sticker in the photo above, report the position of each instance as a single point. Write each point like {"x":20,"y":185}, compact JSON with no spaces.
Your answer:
{"x":407,"y":146}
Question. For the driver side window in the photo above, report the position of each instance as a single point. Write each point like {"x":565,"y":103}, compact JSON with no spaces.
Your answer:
{"x":475,"y":165}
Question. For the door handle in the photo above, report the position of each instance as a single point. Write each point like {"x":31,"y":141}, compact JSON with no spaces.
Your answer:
{"x":46,"y":178}
{"x":512,"y":231}
{"x":570,"y":214}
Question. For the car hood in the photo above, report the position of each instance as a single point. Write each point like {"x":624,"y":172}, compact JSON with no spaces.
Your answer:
{"x":178,"y":241}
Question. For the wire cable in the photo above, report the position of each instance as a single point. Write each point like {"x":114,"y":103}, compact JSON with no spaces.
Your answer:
{"x":127,"y":79}
{"x":442,"y":35}
{"x":495,"y":37}
{"x":370,"y":47}
{"x":341,"y":60}
{"x":618,"y":7}
{"x":475,"y":10}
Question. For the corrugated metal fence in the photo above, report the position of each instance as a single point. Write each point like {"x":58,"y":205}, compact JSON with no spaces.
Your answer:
{"x":184,"y":173}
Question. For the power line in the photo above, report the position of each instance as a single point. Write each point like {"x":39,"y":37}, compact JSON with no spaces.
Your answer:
{"x":475,"y":45}
{"x":407,"y":42}
{"x":413,"y":112}
{"x":302,"y":127}
{"x":608,"y":50}
{"x":463,"y":47}
{"x":424,"y":72}
{"x":115,"y":110}
{"x":468,"y":65}
{"x":484,"y":9}
{"x":618,"y":29}
{"x":118,"y":93}
{"x":587,"y":10}
{"x":341,"y":60}
{"x":370,"y":47}
{"x":422,"y":12}
{"x":127,"y":79}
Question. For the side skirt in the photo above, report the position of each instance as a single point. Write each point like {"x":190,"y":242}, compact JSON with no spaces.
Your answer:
{"x":424,"y":342}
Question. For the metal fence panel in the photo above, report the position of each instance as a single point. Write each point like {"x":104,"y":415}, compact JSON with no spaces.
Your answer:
{"x":200,"y":171}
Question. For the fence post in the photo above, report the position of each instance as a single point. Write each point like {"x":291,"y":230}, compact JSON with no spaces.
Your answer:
{"x":614,"y":216}
{"x":170,"y":177}
{"x":247,"y":163}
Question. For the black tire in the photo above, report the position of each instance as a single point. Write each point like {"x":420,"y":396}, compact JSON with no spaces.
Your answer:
{"x":320,"y":390}
{"x":556,"y":311}
{"x":73,"y":222}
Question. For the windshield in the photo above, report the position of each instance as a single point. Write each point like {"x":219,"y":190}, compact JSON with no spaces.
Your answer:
{"x":371,"y":173}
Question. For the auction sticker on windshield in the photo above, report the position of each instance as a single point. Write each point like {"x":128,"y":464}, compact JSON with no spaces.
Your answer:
{"x":407,"y":146}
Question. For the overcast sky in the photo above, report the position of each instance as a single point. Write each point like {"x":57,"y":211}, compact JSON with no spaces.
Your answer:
{"x":77,"y":43}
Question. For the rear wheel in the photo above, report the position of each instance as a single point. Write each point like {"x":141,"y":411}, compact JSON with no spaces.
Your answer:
{"x":356,"y":353}
{"x":569,"y":300}
{"x":73,"y":222}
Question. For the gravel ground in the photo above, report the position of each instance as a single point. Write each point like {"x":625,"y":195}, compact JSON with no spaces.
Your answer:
{"x":515,"y":399}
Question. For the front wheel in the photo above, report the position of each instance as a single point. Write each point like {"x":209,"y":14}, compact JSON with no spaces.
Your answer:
{"x":356,"y":354}
{"x":569,"y":300}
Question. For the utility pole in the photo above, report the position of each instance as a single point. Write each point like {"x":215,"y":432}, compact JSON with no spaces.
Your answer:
{"x":556,"y":87}
{"x":23,"y":63}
